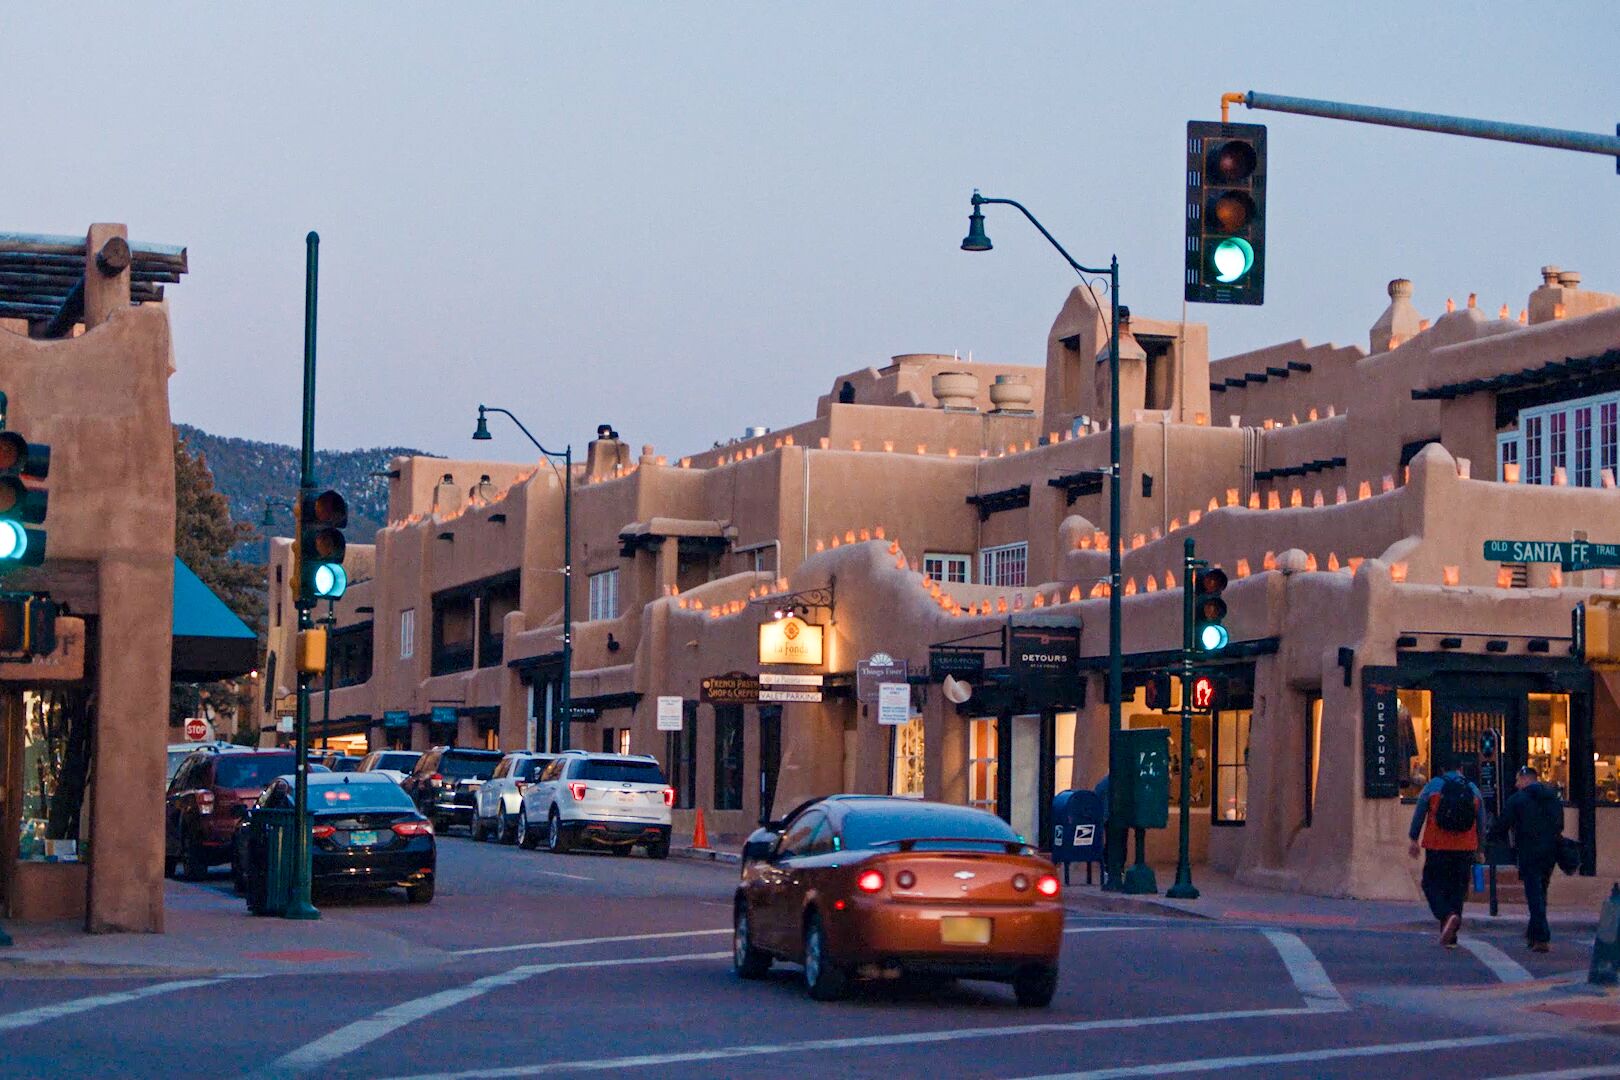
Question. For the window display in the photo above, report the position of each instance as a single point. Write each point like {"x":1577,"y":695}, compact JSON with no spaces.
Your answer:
{"x":55,"y":776}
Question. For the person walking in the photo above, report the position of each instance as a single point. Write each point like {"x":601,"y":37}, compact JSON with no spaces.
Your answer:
{"x":1534,"y":816}
{"x":1446,"y":826}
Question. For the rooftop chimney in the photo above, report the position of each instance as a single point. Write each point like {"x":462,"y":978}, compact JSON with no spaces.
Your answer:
{"x":1399,"y":322}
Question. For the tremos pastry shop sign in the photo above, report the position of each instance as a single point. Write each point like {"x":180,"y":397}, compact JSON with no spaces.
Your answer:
{"x":790,"y":641}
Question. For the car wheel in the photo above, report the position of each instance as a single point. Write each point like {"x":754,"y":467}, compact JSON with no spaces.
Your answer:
{"x":1035,"y":986}
{"x":556,"y":840}
{"x":747,"y":961}
{"x":506,"y":828}
{"x":476,"y":829}
{"x":658,"y":849}
{"x":420,"y":894}
{"x":824,"y":980}
{"x":193,"y":863}
{"x":528,"y":839}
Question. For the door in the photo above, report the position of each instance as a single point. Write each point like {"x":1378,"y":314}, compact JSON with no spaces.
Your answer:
{"x":776,"y":904}
{"x":1460,"y":721}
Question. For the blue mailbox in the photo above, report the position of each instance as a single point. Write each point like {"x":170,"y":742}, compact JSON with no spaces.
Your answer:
{"x":1077,"y":830}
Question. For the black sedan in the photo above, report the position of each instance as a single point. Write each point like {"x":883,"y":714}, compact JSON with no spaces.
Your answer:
{"x":364,"y":832}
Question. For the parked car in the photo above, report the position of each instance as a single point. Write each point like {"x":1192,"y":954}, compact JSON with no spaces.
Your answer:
{"x":495,"y":812}
{"x":364,"y":831}
{"x":612,"y":800}
{"x":178,"y":752}
{"x":394,"y":764}
{"x":207,"y":799}
{"x":341,"y":762}
{"x":863,"y":886}
{"x":445,"y":783}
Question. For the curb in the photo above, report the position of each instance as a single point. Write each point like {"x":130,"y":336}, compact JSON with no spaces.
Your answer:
{"x":706,"y":855}
{"x":1129,"y":905}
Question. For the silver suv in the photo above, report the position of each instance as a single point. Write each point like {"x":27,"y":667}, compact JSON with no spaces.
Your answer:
{"x":613,"y":800}
{"x":499,"y":798}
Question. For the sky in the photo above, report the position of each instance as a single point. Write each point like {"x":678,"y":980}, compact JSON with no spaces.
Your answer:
{"x":686,"y":219}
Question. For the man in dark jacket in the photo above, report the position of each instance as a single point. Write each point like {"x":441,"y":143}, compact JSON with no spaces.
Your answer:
{"x":1534,"y":815}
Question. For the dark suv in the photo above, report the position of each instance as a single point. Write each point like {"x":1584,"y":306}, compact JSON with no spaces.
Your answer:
{"x":208,"y":797}
{"x":445,"y":783}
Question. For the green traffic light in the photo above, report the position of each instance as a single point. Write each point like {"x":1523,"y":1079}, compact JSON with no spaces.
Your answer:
{"x":1212,"y":637}
{"x":329,"y":580}
{"x":13,"y":540}
{"x":1232,"y":259}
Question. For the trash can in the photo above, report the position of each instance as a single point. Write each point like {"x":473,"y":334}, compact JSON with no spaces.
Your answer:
{"x":269,"y":893}
{"x":1077,"y":830}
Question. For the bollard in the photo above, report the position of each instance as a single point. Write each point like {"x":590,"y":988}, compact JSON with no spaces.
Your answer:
{"x":1606,"y":946}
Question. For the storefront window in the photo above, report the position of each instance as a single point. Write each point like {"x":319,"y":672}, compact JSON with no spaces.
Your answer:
{"x":1231,"y":767}
{"x":728,"y":757}
{"x":1414,"y":710}
{"x":55,"y":775}
{"x":907,"y":777}
{"x":1063,"y":751}
{"x":1606,"y":740}
{"x":1199,"y":794}
{"x":1549,"y":739}
{"x":982,"y":763}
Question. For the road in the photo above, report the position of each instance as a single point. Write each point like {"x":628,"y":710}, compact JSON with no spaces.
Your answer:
{"x":529,"y":964}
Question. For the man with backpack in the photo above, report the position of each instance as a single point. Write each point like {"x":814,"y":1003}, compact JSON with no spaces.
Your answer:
{"x":1446,"y":826}
{"x":1534,"y":815}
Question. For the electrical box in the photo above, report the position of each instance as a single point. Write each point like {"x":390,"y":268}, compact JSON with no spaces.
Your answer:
{"x":1147,"y":761}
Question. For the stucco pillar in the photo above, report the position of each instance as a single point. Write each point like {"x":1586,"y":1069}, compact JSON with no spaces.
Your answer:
{"x":669,"y":561}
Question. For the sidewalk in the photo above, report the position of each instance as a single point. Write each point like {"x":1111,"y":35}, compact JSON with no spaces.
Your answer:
{"x":1574,"y":908}
{"x":211,"y":934}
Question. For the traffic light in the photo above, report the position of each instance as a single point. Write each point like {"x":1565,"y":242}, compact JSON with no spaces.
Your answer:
{"x":1209,"y":610}
{"x":21,"y":505}
{"x":1164,"y":692}
{"x":321,"y":521}
{"x":1226,"y":213}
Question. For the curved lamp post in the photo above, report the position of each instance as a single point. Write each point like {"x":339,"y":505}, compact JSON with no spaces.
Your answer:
{"x":976,"y":240}
{"x":481,"y":434}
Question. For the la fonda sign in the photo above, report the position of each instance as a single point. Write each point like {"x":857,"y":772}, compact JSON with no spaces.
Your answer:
{"x":790,"y":641}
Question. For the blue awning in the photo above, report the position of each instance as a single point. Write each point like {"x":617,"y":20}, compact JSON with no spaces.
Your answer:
{"x":210,"y":642}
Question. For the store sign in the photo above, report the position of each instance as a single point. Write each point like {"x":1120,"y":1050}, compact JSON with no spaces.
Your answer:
{"x":789,"y":695}
{"x":443,"y":714}
{"x":790,"y":641}
{"x":671,"y":713}
{"x":1380,"y":735}
{"x":736,"y":688}
{"x":878,"y":668}
{"x":772,"y":678}
{"x":966,"y":664}
{"x":1044,"y":662}
{"x":894,"y":703}
{"x":396,"y":718}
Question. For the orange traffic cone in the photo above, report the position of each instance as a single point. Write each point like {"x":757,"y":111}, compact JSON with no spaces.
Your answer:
{"x":700,"y":835}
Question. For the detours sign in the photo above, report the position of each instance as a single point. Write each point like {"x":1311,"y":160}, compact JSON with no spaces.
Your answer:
{"x":1571,"y":555}
{"x":790,"y":641}
{"x":1380,"y":734}
{"x":1044,"y":660}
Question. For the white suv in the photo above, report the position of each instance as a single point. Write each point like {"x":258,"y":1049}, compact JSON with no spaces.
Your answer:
{"x":495,"y":815}
{"x":615,"y":800}
{"x":394,"y":764}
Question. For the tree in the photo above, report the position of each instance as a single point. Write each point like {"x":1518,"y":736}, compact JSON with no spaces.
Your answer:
{"x":204,"y":536}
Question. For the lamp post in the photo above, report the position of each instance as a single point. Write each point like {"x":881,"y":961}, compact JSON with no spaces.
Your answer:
{"x":976,"y":240}
{"x":481,"y":434}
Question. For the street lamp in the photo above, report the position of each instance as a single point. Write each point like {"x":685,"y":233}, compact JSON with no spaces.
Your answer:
{"x":481,"y":434}
{"x":977,"y":240}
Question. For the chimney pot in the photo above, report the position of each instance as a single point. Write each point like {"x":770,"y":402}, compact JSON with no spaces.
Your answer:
{"x":1549,"y":275}
{"x":1400,"y":288}
{"x":1569,"y":279}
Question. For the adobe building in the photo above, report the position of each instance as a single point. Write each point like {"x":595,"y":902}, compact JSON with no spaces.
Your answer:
{"x":932,"y":512}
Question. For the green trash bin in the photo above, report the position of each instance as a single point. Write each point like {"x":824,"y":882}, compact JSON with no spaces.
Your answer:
{"x":270,"y":892}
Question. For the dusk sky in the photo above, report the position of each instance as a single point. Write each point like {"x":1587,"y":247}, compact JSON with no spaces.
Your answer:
{"x":687,"y":219}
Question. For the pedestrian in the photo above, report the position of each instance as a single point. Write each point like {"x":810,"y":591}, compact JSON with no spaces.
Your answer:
{"x":1446,"y":826}
{"x":1534,"y":816}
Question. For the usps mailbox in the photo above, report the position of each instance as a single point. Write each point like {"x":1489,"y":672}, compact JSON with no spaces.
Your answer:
{"x":1077,"y":830}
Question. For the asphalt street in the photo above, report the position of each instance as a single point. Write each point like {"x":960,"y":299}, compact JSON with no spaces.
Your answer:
{"x":528,"y":964}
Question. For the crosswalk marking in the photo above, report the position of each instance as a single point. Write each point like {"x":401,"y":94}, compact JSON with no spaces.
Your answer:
{"x":1310,"y":977}
{"x":1503,"y":966}
{"x":45,"y":1013}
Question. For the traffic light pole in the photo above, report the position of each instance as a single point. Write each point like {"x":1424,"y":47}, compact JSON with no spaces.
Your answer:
{"x":299,"y":905}
{"x":1184,"y":889}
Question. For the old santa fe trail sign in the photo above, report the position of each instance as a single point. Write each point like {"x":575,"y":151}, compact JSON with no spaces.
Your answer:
{"x":1570,"y":555}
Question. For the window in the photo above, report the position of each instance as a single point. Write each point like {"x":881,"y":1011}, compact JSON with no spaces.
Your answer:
{"x":1231,"y":767}
{"x":1507,"y":453}
{"x":453,"y":626}
{"x":1608,"y":439}
{"x":1063,"y":751}
{"x":802,"y":834}
{"x":946,"y":569}
{"x":1557,"y":444}
{"x":1549,"y":739}
{"x":55,"y":776}
{"x":906,"y":774}
{"x":621,"y":772}
{"x":605,"y":595}
{"x":1583,"y":447}
{"x":498,"y":599}
{"x":1533,"y":450}
{"x":728,"y":757}
{"x":624,"y":740}
{"x":983,"y":763}
{"x":1414,"y":712}
{"x":1581,"y":436}
{"x":407,"y":633}
{"x":765,"y":560}
{"x":1005,"y":565}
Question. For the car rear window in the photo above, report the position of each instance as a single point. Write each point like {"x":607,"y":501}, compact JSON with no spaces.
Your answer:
{"x":875,"y":826}
{"x":344,"y":764}
{"x":467,"y":766}
{"x":622,"y":772}
{"x":389,"y":796}
{"x":250,"y":770}
{"x":401,"y":762}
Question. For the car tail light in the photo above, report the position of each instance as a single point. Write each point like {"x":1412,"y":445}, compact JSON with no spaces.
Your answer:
{"x":414,"y":828}
{"x":1020,"y":882}
{"x":205,"y":802}
{"x":1047,"y":885}
{"x":869,"y":882}
{"x":905,"y":879}
{"x":669,"y":796}
{"x":578,"y":790}
{"x":321,"y":832}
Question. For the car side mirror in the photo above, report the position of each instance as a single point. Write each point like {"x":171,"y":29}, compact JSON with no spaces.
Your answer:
{"x":760,"y":845}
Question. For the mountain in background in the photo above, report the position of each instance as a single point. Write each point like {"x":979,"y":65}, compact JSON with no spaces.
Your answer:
{"x":248,"y":473}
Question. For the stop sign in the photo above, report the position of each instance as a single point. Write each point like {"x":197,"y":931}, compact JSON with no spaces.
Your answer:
{"x":196,"y":729}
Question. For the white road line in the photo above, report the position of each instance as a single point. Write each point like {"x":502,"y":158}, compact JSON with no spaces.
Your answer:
{"x":1293,"y":1058}
{"x":1098,"y":929}
{"x":1503,"y":966}
{"x":45,"y":1013}
{"x":909,"y":1038}
{"x":1310,"y":978}
{"x":559,"y":873}
{"x":1580,"y":1072}
{"x":587,"y":941}
{"x":346,"y":1040}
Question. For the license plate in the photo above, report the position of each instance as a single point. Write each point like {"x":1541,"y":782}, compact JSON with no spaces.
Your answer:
{"x":365,"y":838}
{"x":627,"y":796}
{"x":964,"y":930}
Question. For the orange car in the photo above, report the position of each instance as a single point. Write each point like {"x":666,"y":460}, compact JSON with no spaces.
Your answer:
{"x":864,"y":886}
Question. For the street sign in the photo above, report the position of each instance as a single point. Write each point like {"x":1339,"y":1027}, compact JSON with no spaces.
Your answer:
{"x":771,"y":678}
{"x":894,"y":703}
{"x":1570,"y":555}
{"x":671,"y":712}
{"x":196,"y":729}
{"x":789,"y":695}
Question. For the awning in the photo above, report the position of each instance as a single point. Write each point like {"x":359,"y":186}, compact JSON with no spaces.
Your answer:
{"x":210,"y":642}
